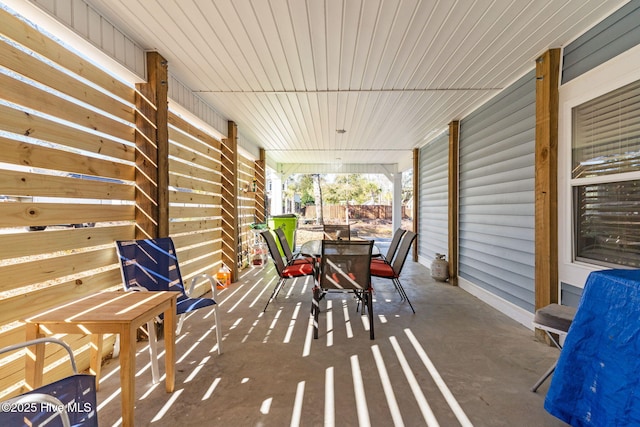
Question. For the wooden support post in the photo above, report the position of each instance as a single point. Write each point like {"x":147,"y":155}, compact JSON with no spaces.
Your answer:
{"x":416,"y":199}
{"x":152,"y":151}
{"x":546,"y":183}
{"x":454,"y":141}
{"x":260,"y":177}
{"x":230,"y":228}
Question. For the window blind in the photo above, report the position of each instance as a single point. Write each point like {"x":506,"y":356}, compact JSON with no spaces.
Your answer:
{"x":606,"y":134}
{"x":606,"y":143}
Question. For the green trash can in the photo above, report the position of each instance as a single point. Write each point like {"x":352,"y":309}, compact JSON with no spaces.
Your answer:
{"x":289,"y":224}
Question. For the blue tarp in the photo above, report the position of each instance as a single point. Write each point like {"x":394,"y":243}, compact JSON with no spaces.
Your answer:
{"x":597,"y":378}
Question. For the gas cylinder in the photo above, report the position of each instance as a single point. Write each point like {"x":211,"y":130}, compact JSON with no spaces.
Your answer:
{"x":440,"y":268}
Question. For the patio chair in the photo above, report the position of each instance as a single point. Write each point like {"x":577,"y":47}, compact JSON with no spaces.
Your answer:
{"x":553,"y":319}
{"x":391,"y":270}
{"x":344,"y":267}
{"x":337,"y":231}
{"x":285,"y":271}
{"x":291,"y":257}
{"x":68,"y":401}
{"x":152,"y":265}
{"x":393,"y":247}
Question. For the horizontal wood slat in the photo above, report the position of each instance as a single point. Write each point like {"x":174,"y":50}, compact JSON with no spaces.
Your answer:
{"x":193,"y":171}
{"x":31,"y":97}
{"x":193,"y":226}
{"x":30,"y":184}
{"x":16,"y":276}
{"x":36,"y":70}
{"x":31,"y":38}
{"x":34,"y":214}
{"x":178,"y":212}
{"x":197,"y":134}
{"x":180,"y":181}
{"x":37,"y":156}
{"x":198,"y":238}
{"x":32,"y":243}
{"x":44,"y":129}
{"x":194,"y":198}
{"x":40,"y":299}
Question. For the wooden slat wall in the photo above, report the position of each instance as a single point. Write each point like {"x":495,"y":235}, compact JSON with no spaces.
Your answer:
{"x":195,"y":182}
{"x":67,"y":158}
{"x":246,"y":207}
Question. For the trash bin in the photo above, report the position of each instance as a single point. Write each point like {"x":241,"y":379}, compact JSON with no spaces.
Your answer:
{"x":289,"y":224}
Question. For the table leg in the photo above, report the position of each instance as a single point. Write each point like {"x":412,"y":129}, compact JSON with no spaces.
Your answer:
{"x":96,"y":357}
{"x":169,"y":346}
{"x":128,"y":373}
{"x":34,"y":357}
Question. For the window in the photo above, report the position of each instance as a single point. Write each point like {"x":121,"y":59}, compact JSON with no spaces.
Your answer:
{"x":605,"y":178}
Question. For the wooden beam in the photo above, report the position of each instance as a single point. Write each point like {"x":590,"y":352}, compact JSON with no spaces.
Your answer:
{"x":260,"y":177}
{"x":152,"y":151}
{"x":230,"y":228}
{"x":546,"y":183}
{"x":454,"y":142}
{"x":416,"y":198}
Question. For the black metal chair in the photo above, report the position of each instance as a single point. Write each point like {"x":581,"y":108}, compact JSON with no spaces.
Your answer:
{"x":391,"y":270}
{"x":393,"y":247}
{"x":337,"y":231}
{"x":291,"y":257}
{"x":284,"y":270}
{"x":344,"y":267}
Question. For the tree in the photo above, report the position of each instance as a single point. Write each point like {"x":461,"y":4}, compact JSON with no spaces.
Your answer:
{"x":352,"y":188}
{"x":317,"y":191}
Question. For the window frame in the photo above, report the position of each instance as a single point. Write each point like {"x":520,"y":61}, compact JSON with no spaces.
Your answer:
{"x":613,"y":74}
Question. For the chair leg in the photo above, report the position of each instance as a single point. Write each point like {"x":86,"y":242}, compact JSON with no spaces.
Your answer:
{"x":153,"y":351}
{"x":550,"y":371}
{"x":218,"y":329}
{"x":315,"y":310}
{"x":180,"y":322}
{"x":274,"y":293}
{"x":369,"y":301}
{"x":403,"y":293}
{"x":543,"y":378}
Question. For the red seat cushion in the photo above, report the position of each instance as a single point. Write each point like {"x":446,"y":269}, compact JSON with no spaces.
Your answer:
{"x":382,"y":269}
{"x":296,"y":270}
{"x":302,"y":261}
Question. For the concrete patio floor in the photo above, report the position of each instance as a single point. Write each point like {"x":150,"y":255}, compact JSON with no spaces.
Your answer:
{"x":455,"y":362}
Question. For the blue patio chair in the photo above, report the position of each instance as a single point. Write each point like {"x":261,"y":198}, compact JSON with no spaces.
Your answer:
{"x":152,"y":265}
{"x":70,"y":401}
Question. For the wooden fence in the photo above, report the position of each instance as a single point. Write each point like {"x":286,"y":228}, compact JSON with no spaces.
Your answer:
{"x":339,"y":212}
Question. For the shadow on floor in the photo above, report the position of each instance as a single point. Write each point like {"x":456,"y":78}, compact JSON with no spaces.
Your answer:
{"x":455,"y":362}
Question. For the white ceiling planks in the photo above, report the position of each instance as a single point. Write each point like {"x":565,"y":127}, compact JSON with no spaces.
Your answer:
{"x":392,"y":73}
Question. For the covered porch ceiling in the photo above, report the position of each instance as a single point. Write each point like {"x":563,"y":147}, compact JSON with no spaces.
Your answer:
{"x":348,"y":85}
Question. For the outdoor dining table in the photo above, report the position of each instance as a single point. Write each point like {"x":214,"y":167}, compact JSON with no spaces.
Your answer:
{"x":107,"y":312}
{"x":314,"y":248}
